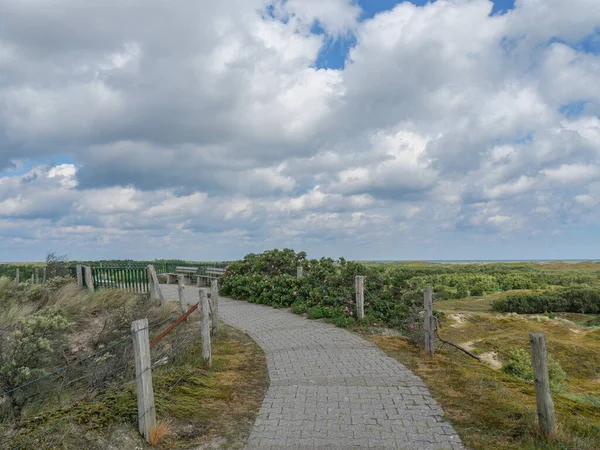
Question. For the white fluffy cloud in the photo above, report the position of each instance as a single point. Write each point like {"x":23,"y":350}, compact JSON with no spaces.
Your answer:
{"x":202,"y":124}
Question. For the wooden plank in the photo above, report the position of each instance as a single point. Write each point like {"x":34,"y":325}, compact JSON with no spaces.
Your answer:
{"x":360,"y":296}
{"x":79,"y":274}
{"x":543,"y":399}
{"x":428,"y":323}
{"x":89,"y":280}
{"x":143,"y":373}
{"x":205,"y":328}
{"x":181,"y":293}
{"x":214,"y":306}
{"x":18,"y":276}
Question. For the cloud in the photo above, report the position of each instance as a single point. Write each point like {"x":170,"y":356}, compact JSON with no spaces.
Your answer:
{"x":210,"y":123}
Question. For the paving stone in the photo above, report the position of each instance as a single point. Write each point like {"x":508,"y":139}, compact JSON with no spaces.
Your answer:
{"x":332,"y":389}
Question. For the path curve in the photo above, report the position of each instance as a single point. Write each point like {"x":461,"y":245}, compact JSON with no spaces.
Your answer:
{"x":331,"y":389}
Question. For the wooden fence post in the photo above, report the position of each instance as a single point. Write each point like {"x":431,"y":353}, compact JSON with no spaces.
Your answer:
{"x":44,"y":272}
{"x":214,"y":306}
{"x":89,"y":280}
{"x":180,"y":291}
{"x":18,"y":276}
{"x":543,"y":399}
{"x":156,"y":284}
{"x":428,"y":323}
{"x":32,"y":278}
{"x":205,"y":328}
{"x":143,"y":374}
{"x":151,"y":288}
{"x":37,"y":275}
{"x":79,"y":273}
{"x":300,"y":272}
{"x":360,"y":296}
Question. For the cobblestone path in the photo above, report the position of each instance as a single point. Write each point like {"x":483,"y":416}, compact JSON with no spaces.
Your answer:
{"x":331,"y":389}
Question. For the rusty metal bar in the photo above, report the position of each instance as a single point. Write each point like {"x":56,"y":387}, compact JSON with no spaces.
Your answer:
{"x":157,"y":339}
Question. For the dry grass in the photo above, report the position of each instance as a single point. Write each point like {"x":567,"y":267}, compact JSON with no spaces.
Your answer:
{"x":160,"y":432}
{"x":489,"y":409}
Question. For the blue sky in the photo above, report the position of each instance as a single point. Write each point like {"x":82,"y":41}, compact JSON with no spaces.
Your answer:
{"x":238,"y":128}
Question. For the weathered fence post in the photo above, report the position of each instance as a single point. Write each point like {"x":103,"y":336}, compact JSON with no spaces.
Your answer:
{"x":180,"y":291}
{"x":214,"y":306}
{"x":18,"y":276}
{"x":300,"y":272}
{"x":205,"y":328}
{"x":79,"y":273}
{"x":155,"y":285}
{"x":37,"y":275}
{"x":151,"y":288}
{"x":360,"y":296}
{"x":143,"y":374}
{"x":539,"y":361}
{"x":89,"y":280}
{"x":44,"y":272}
{"x":32,"y":278}
{"x":428,"y":323}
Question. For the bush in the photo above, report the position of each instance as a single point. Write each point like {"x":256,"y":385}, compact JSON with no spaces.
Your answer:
{"x":577,"y":299}
{"x":519,"y":365}
{"x":326,"y":290}
{"x":30,"y":351}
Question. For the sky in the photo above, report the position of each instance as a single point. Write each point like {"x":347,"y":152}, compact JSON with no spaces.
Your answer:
{"x":369,"y":129}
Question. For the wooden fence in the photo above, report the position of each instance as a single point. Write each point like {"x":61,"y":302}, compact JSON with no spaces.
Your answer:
{"x":132,"y":279}
{"x":202,"y":266}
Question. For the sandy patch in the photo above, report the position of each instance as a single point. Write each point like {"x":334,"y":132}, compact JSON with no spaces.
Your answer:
{"x":491,"y":359}
{"x":459,"y":319}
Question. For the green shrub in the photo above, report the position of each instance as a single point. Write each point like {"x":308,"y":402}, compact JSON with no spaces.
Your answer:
{"x":298,"y":307}
{"x":344,"y":321}
{"x":316,"y":312}
{"x":31,"y":349}
{"x":577,"y":299}
{"x":519,"y":365}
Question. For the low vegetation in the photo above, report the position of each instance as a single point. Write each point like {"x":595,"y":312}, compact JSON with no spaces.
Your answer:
{"x":576,"y":299}
{"x":65,"y":362}
{"x":492,"y":403}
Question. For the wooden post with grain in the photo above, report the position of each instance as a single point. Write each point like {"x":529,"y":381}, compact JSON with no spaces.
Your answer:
{"x":205,"y":328}
{"x":151,"y":287}
{"x":89,"y":280}
{"x":539,"y":361}
{"x":428,"y":322}
{"x":37,"y":275}
{"x":299,"y":272}
{"x":143,"y":374}
{"x":181,"y":293}
{"x":18,"y":276}
{"x":79,"y":273}
{"x":155,"y":291}
{"x":360,"y":296}
{"x":44,"y":272}
{"x":214,"y":306}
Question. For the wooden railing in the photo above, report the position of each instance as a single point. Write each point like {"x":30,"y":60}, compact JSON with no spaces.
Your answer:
{"x":133,"y":279}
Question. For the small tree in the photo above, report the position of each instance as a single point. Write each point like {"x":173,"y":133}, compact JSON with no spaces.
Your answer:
{"x":56,"y":265}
